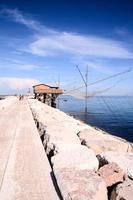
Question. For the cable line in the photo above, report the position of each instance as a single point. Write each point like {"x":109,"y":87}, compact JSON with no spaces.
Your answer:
{"x":100,"y":80}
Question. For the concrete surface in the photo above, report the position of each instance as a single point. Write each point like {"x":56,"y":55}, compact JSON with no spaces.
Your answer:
{"x":25,"y":172}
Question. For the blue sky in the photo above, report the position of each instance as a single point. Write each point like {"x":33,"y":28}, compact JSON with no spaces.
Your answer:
{"x":43,"y":40}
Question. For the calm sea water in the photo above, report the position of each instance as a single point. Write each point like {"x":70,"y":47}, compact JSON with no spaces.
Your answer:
{"x":2,"y":97}
{"x":112,"y":114}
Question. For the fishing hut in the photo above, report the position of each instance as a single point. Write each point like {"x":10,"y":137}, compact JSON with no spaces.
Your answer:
{"x":47,"y":94}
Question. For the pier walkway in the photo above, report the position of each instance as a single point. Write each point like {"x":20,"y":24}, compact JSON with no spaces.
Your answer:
{"x":25,"y":173}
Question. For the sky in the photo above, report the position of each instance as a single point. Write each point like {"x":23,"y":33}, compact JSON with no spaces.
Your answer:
{"x":42,"y":41}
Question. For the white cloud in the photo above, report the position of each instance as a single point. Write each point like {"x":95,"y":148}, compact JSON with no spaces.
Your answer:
{"x":23,"y":67}
{"x":49,"y":42}
{"x":17,"y":16}
{"x":79,"y":45}
{"x":11,"y":63}
{"x":26,"y":67}
{"x":121,"y":31}
{"x":15,"y":83}
{"x":97,"y":65}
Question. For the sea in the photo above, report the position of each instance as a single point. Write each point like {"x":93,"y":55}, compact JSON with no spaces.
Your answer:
{"x":113,"y":114}
{"x":3,"y":97}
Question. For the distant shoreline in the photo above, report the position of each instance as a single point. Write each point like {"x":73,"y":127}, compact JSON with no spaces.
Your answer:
{"x":2,"y":97}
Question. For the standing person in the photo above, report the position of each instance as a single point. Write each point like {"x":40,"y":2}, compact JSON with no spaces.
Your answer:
{"x":20,"y":97}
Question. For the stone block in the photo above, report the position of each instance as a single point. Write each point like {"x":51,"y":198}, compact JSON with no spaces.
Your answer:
{"x":123,"y":160}
{"x":79,"y":157}
{"x":100,"y":142}
{"x":111,"y":173}
{"x":80,"y":184}
{"x":123,"y":191}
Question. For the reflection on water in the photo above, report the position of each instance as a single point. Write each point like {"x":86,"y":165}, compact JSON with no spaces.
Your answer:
{"x":113,"y":114}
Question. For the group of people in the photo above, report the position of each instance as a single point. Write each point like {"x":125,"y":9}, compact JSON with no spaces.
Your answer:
{"x":21,"y":97}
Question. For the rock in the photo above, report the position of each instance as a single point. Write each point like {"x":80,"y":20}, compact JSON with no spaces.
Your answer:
{"x":80,"y":184}
{"x":59,"y":132}
{"x":55,"y":127}
{"x":65,"y":146}
{"x":41,"y":128}
{"x":100,"y":142}
{"x":78,"y":157}
{"x":123,"y":191}
{"x":123,"y":160}
{"x":111,"y":173}
{"x":60,"y":140}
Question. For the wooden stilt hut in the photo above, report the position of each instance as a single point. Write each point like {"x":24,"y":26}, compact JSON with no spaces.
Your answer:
{"x":47,"y":94}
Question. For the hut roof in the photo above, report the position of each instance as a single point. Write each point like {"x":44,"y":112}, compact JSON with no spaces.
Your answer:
{"x":45,"y":85}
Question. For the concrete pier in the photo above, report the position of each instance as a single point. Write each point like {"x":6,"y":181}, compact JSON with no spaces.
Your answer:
{"x":47,"y":155}
{"x":25,"y":172}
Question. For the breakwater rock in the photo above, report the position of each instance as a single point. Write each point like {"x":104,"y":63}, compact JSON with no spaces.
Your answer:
{"x":78,"y":154}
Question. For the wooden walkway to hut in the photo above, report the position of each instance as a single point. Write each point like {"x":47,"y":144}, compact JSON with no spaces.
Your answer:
{"x":25,"y":173}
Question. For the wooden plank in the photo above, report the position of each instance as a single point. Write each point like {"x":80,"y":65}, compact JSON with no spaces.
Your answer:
{"x":27,"y":175}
